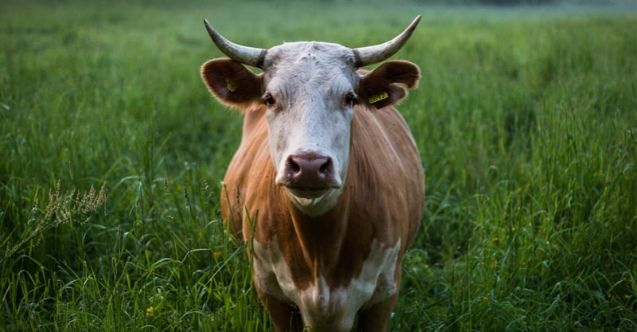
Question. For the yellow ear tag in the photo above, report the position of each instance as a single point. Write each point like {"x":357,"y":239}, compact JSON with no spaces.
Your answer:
{"x":382,"y":96}
{"x":230,"y":86}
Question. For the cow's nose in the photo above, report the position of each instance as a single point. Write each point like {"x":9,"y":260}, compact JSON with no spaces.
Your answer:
{"x":309,"y":171}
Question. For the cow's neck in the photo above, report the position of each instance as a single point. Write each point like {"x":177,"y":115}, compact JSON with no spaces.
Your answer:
{"x":321,"y":237}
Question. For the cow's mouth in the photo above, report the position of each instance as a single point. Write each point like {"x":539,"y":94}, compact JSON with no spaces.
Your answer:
{"x":308,"y":192}
{"x":313,"y":199}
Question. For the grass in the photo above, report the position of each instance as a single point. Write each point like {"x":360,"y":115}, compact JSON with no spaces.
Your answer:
{"x":111,"y":154}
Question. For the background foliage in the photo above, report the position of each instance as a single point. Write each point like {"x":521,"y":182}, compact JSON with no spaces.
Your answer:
{"x":111,"y":154}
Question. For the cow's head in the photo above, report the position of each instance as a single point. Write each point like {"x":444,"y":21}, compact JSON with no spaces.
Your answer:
{"x":310,"y":91}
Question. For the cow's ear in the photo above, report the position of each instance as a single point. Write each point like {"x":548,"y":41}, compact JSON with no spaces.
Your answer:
{"x":388,"y":84}
{"x":231,"y":83}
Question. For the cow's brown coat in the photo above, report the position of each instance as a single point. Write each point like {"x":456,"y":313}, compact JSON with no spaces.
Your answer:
{"x":382,"y":199}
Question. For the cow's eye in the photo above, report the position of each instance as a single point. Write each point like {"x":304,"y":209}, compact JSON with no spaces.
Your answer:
{"x":350,"y":99}
{"x":268,"y":99}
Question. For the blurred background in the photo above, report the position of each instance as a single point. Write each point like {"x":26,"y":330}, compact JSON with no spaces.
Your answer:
{"x":112,"y":152}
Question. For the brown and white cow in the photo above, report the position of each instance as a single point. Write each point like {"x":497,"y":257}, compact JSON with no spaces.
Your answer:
{"x":327,"y":185}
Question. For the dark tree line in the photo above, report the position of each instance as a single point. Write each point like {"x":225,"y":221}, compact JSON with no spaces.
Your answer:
{"x":527,"y":2}
{"x":516,"y":2}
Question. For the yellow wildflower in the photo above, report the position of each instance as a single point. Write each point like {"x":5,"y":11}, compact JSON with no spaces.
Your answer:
{"x":149,"y":311}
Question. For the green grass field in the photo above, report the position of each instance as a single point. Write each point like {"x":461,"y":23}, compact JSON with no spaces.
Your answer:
{"x":112,"y":151}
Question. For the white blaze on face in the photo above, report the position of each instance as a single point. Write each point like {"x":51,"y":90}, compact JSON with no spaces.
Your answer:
{"x":309,"y":82}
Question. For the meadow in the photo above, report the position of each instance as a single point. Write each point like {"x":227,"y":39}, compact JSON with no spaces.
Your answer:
{"x":112,"y":152}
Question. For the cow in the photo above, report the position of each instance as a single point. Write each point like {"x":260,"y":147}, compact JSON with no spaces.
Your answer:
{"x":327,"y":187}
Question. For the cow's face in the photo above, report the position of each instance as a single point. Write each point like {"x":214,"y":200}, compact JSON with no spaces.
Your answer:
{"x":310,"y":91}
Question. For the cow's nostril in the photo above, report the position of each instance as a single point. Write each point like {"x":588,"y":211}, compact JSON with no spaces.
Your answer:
{"x":292,"y":166}
{"x":326,"y":167}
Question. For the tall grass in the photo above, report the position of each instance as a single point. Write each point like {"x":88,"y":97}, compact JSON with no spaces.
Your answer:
{"x":111,"y":154}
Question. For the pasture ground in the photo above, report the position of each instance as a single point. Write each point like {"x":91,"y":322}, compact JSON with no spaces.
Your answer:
{"x":112,"y":151}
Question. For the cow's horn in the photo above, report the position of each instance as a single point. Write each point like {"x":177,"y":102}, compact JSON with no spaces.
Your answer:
{"x":245,"y":54}
{"x":364,"y":56}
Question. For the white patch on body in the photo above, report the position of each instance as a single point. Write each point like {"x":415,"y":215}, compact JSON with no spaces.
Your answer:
{"x":322,"y":308}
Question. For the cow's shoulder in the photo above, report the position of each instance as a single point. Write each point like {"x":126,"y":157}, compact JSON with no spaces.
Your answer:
{"x":248,"y":171}
{"x":386,"y":173}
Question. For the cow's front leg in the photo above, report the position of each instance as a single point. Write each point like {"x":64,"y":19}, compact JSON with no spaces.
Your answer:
{"x":376,"y":317}
{"x":284,"y":316}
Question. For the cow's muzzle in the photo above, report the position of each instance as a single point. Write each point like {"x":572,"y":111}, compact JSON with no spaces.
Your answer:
{"x":309,"y":174}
